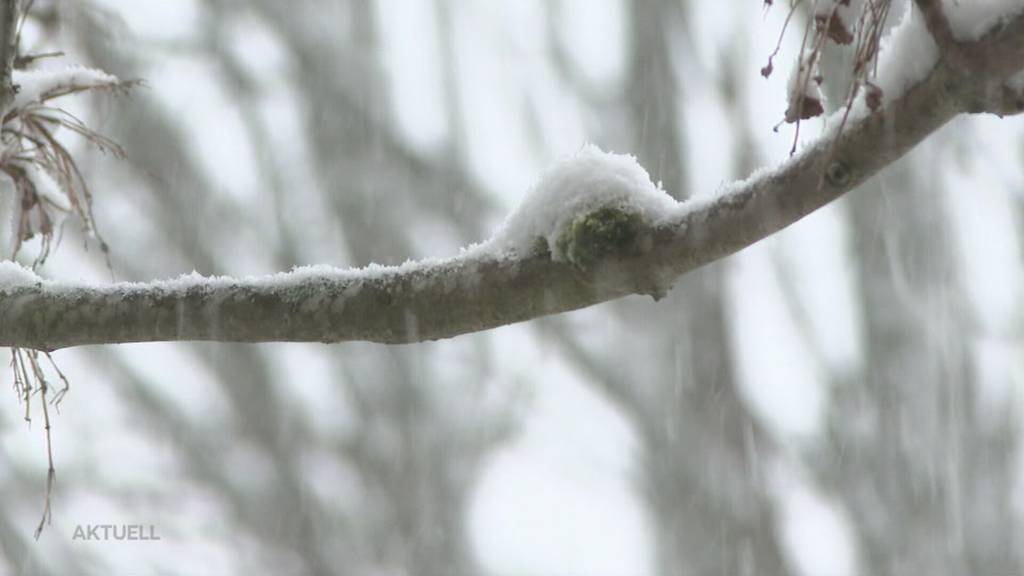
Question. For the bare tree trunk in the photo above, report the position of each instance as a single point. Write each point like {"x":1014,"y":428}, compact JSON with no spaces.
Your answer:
{"x":927,"y":477}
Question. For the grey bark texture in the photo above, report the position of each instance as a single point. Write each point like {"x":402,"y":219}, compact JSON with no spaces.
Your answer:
{"x":8,"y":50}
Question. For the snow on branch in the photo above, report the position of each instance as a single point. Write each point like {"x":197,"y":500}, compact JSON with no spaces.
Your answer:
{"x":39,"y":86}
{"x":970,"y":21}
{"x":593,"y":229}
{"x":551,"y":217}
{"x":43,"y":183}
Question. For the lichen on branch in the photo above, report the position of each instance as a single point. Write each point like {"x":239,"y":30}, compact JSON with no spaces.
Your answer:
{"x":599,"y":234}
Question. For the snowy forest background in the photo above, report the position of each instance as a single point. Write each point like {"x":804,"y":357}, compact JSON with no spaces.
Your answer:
{"x":842,"y":397}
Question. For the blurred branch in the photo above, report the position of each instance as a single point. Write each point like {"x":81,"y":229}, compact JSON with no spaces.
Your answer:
{"x":604,"y":376}
{"x":9,"y":16}
{"x":440,"y":299}
{"x":243,"y":90}
{"x":358,"y":116}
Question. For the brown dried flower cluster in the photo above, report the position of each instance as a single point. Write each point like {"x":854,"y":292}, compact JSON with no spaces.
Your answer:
{"x":857,"y":24}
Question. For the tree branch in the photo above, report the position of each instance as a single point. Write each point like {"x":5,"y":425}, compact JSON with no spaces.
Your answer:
{"x":9,"y":16}
{"x":938,"y":25}
{"x":440,"y":299}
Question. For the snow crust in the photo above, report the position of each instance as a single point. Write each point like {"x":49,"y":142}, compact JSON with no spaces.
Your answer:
{"x":13,"y":275}
{"x":908,"y":54}
{"x":575,"y":186}
{"x":421,"y":272}
{"x":972,"y":19}
{"x":34,"y":85}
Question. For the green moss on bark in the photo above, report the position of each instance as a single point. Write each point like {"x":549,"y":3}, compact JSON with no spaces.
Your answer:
{"x":596,"y":235}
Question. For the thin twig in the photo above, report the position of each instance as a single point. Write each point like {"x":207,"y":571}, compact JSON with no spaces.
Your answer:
{"x":51,"y":472}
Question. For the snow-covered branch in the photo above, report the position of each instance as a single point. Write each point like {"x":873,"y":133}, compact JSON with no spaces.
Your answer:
{"x":937,"y":23}
{"x":593,"y":229}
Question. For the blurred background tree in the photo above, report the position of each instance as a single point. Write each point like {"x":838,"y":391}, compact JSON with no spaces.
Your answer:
{"x":839,"y":398}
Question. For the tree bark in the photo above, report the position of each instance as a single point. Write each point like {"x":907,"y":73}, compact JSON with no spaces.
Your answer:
{"x":9,"y":16}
